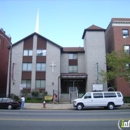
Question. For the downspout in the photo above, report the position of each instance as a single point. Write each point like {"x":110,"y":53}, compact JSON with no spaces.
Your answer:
{"x":58,"y":87}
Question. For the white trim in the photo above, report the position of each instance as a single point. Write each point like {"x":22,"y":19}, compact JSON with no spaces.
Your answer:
{"x":121,"y":23}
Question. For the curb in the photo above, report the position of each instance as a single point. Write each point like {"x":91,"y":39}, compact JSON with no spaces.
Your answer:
{"x":34,"y":106}
{"x":73,"y":108}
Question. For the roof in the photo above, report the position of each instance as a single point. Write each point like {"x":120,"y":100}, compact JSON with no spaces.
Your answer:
{"x":92,"y":28}
{"x":39,"y":36}
{"x":120,"y":19}
{"x":73,"y":49}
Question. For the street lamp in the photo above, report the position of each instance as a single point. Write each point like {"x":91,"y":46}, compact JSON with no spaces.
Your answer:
{"x":10,"y":61}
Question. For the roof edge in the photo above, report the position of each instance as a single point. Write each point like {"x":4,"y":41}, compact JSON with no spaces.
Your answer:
{"x":38,"y":35}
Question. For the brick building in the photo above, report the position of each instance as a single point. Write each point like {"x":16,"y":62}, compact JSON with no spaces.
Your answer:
{"x":117,"y":35}
{"x":5,"y":43}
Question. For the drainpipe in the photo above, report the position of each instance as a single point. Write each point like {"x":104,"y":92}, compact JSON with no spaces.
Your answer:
{"x":58,"y":88}
{"x":97,"y":73}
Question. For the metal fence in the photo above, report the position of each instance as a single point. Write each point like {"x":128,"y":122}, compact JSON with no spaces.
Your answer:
{"x":73,"y":93}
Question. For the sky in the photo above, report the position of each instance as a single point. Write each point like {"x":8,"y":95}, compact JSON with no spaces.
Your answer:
{"x":61,"y":21}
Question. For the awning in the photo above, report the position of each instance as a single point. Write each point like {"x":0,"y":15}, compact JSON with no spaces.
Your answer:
{"x":73,"y":75}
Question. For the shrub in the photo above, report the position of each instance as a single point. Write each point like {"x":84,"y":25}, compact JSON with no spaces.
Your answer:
{"x":12,"y":95}
{"x":35,"y":93}
{"x":34,"y":100}
{"x":15,"y":97}
{"x":44,"y":93}
{"x":24,"y":92}
{"x":127,"y":99}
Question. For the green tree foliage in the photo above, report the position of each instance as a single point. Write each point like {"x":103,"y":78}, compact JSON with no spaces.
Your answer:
{"x":118,"y":64}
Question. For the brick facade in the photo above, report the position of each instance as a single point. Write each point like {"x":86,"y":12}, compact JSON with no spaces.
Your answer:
{"x":5,"y":42}
{"x":115,"y":41}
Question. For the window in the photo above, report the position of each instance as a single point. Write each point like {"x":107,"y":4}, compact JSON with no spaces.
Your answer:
{"x":27,"y":66}
{"x":73,"y":56}
{"x":41,"y":52}
{"x":41,"y":66}
{"x":127,"y":49}
{"x":6,"y":100}
{"x":119,"y":95}
{"x":125,"y":33}
{"x":40,"y":84}
{"x":109,"y":95}
{"x":87,"y":95}
{"x":73,"y":69}
{"x":97,"y":95}
{"x":26,"y":83}
{"x":127,"y":66}
{"x":27,"y":52}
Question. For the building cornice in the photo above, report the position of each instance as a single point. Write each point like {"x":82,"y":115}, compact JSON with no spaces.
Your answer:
{"x":121,"y":23}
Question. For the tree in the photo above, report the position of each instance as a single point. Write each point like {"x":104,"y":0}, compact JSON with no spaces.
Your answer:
{"x":118,"y":64}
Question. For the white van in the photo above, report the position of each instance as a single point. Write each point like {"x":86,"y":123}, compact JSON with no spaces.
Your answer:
{"x":108,"y":100}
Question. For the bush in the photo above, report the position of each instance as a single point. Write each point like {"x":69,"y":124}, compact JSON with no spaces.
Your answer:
{"x":24,"y":92}
{"x":15,"y":97}
{"x":34,"y":100}
{"x":35,"y":93}
{"x":127,"y":99}
{"x":12,"y":95}
{"x":44,"y":93}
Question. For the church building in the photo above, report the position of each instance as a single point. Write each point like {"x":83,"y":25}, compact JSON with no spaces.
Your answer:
{"x":39,"y":63}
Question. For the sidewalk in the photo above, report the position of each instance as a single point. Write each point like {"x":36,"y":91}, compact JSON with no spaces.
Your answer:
{"x":68,"y":106}
{"x":49,"y":106}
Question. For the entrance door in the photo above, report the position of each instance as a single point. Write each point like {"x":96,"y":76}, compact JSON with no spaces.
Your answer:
{"x":70,"y":89}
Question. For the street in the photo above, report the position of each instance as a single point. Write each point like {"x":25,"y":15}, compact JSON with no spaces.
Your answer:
{"x":62,"y":119}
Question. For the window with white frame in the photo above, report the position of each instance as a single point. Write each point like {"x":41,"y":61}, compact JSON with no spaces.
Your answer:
{"x":41,"y":66}
{"x":26,"y":83}
{"x":41,"y":52}
{"x":72,"y":56}
{"x":127,"y":66}
{"x":127,"y":49}
{"x":27,"y":66}
{"x":125,"y":33}
{"x":40,"y":84}
{"x":73,"y":69}
{"x":27,"y":52}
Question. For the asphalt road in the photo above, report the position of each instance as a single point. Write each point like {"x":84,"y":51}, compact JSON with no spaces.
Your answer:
{"x":62,"y":119}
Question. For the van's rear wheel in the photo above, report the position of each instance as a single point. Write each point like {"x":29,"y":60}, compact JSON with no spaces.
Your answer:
{"x":110,"y":106}
{"x":79,"y":106}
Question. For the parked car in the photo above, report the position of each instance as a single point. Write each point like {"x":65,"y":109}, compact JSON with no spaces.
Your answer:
{"x":99,"y":99}
{"x":9,"y":103}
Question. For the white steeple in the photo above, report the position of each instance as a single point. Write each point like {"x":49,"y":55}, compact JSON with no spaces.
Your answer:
{"x":37,"y":23}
